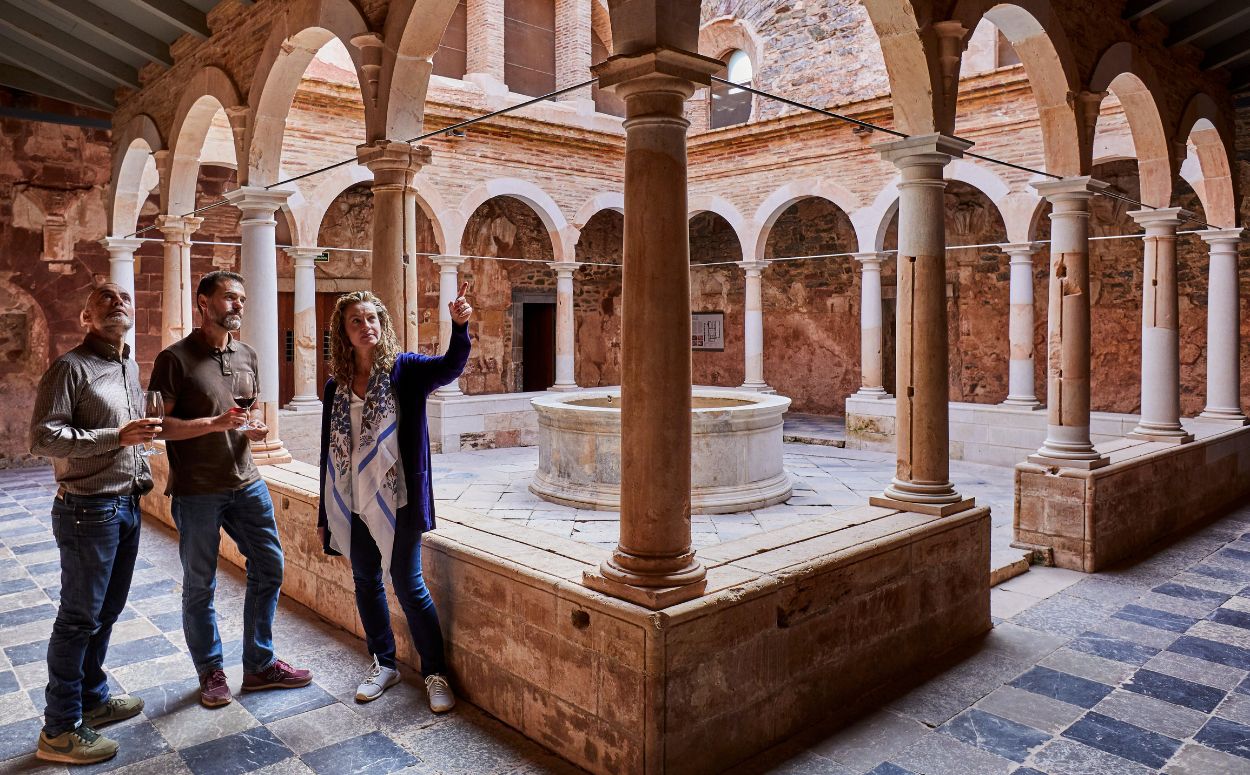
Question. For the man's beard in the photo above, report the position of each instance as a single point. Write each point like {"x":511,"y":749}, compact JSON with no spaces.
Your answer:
{"x":231,"y":321}
{"x":121,"y":323}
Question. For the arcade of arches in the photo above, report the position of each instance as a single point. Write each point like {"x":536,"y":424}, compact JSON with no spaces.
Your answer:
{"x":1075,"y":319}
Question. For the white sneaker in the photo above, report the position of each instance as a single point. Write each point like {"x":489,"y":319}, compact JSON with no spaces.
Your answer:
{"x":439,"y":691}
{"x":377,"y":680}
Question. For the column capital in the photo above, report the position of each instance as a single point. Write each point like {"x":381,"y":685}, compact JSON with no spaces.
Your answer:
{"x":1080,"y":187}
{"x":178,"y":228}
{"x":258,"y":201}
{"x":121,"y":244}
{"x":1022,"y":252}
{"x":1222,"y":236}
{"x":393,"y":156}
{"x":753,"y":266}
{"x":448,"y":262}
{"x":303,"y":256}
{"x":564,"y":268}
{"x":922,"y":149}
{"x":1160,"y":218}
{"x":871,"y":258}
{"x":659,"y":69}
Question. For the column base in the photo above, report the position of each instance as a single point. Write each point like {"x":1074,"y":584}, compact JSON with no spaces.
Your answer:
{"x":757,"y":387}
{"x":874,"y":393}
{"x":653,"y":598}
{"x":449,"y":391}
{"x":304,"y":404}
{"x":1025,"y":402}
{"x":1085,"y":464}
{"x":270,"y":452}
{"x":565,"y":388}
{"x":932,"y":509}
{"x":1153,"y":434}
{"x":1230,"y":416}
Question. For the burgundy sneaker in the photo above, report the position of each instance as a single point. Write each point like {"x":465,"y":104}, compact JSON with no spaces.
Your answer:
{"x":214,"y":692}
{"x":279,"y":675}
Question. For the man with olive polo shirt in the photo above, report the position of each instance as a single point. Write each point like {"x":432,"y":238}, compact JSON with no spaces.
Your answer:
{"x":215,"y":485}
{"x":88,"y":419}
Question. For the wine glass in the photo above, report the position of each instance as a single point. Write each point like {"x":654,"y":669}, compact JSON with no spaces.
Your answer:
{"x":153,"y":407}
{"x":245,"y":392}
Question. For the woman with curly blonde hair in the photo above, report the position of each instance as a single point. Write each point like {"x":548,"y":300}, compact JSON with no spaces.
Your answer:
{"x":376,"y":495}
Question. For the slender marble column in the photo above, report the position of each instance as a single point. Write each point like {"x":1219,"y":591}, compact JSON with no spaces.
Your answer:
{"x":566,"y":333}
{"x":258,"y":263}
{"x":922,"y":479}
{"x":1160,"y":335}
{"x":1021,"y":386}
{"x":1223,"y":327}
{"x":122,"y":270}
{"x":1067,"y":441}
{"x":448,"y":284}
{"x":871,"y":363}
{"x":753,"y":326}
{"x":306,"y":340}
{"x":176,"y":290}
{"x":394,"y":165}
{"x":654,"y":564}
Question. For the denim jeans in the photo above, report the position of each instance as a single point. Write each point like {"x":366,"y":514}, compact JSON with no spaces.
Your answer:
{"x":246,"y":514}
{"x":99,"y":539}
{"x":410,"y":588}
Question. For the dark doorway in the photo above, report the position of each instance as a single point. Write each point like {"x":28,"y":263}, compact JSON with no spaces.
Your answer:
{"x":538,"y":346}
{"x":286,"y":328}
{"x":889,"y":354}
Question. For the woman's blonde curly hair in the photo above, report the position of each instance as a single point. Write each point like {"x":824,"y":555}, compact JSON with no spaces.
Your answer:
{"x":342,"y":360}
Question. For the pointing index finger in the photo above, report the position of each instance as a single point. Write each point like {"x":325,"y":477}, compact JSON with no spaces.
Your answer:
{"x":464,"y":288}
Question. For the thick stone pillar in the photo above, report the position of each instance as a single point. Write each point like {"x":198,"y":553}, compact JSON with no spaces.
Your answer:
{"x":306,"y":340}
{"x":753,"y":326}
{"x":394,"y":164}
{"x":258,"y":263}
{"x":484,"y":58}
{"x":122,"y":270}
{"x":1067,"y":442}
{"x":1021,"y":386}
{"x":654,"y":564}
{"x":448,"y":285}
{"x":1223,"y":327}
{"x":871,"y":363}
{"x":177,"y":303}
{"x":566,"y":332}
{"x":1160,"y":335}
{"x":922,"y":479}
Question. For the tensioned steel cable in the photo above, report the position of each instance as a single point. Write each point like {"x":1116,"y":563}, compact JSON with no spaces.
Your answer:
{"x":896,"y":133}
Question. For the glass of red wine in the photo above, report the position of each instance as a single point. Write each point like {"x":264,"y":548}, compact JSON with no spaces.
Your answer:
{"x":153,"y":407}
{"x":245,"y":392}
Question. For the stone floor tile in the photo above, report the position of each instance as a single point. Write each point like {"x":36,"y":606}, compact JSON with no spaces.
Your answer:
{"x":1197,"y":759}
{"x":995,"y":734}
{"x":1211,"y":583}
{"x":1094,"y":668}
{"x":371,"y":754}
{"x":319,"y":728}
{"x":941,"y":698}
{"x":194,"y":724}
{"x":1068,"y":757}
{"x":1112,"y":647}
{"x":1227,"y":736}
{"x":889,"y":768}
{"x":1221,"y":633}
{"x":1122,"y":739}
{"x":1035,"y":710}
{"x":15,"y":706}
{"x":1175,"y":690}
{"x":871,"y":740}
{"x":1061,"y":686}
{"x":169,"y":763}
{"x":1155,"y":715}
{"x":783,"y":762}
{"x":1195,"y":669}
{"x":155,"y":672}
{"x":463,"y":743}
{"x":137,"y":742}
{"x":1103,"y":590}
{"x":18,"y":738}
{"x":1235,"y":707}
{"x":1152,"y":617}
{"x":1064,"y":615}
{"x":239,"y":753}
{"x":8,"y":682}
{"x":941,"y":754}
{"x":1212,"y":651}
{"x":1153,"y":637}
{"x":1005,"y":603}
{"x":269,"y":706}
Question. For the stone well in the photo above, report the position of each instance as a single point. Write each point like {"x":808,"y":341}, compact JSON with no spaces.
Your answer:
{"x":736,"y":450}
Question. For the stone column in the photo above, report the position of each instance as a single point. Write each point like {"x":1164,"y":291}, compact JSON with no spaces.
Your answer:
{"x":1223,"y":327}
{"x":1160,"y":335}
{"x":177,"y":300}
{"x":258,"y":263}
{"x":306,"y":340}
{"x":566,"y":331}
{"x":448,"y":284}
{"x":1067,"y":443}
{"x":1021,"y":386}
{"x":871,"y":364}
{"x":922,"y":480}
{"x":394,"y":164}
{"x":753,"y":326}
{"x":122,"y":271}
{"x":654,"y":564}
{"x":484,"y":58}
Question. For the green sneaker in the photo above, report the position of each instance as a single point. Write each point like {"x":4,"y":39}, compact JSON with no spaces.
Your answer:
{"x":78,"y":746}
{"x":115,"y":710}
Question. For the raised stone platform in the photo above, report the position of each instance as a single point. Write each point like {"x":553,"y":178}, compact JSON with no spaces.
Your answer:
{"x":1090,"y":520}
{"x":798,"y":624}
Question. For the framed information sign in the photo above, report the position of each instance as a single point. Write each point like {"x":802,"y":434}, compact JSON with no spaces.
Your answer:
{"x":707,"y":331}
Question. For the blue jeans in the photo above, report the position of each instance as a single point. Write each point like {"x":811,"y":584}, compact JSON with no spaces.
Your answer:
{"x":99,"y":539}
{"x":410,"y":588}
{"x":246,"y":514}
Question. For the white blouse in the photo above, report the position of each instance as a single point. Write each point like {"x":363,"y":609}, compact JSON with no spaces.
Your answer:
{"x":357,"y":408}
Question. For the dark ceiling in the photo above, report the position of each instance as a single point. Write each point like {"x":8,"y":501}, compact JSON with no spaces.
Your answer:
{"x":1220,"y":28}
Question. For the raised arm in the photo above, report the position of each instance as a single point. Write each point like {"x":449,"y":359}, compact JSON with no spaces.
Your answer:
{"x":166,"y":378}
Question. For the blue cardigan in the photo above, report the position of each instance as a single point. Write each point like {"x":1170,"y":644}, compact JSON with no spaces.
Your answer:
{"x":413,"y":378}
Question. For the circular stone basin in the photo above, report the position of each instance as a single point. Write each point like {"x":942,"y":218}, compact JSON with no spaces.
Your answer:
{"x":736,"y":456}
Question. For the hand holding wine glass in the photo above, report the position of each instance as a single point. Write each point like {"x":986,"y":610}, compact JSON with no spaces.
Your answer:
{"x":246,"y":390}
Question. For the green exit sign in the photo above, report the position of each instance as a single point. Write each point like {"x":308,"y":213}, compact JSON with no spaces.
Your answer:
{"x":322,"y":256}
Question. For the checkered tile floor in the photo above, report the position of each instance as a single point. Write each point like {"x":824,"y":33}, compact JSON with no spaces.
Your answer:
{"x":1138,"y":670}
{"x":318,"y":729}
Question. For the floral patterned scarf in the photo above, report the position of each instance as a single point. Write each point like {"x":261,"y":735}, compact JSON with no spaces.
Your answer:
{"x":379,"y":474}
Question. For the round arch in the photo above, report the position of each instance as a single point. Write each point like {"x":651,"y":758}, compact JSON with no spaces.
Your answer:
{"x":1200,"y":130}
{"x":413,"y":31}
{"x":1123,"y":73}
{"x":915,"y":78}
{"x":134,"y":173}
{"x":709,"y":203}
{"x":604,"y":200}
{"x":780,"y":200}
{"x":208,"y":92}
{"x":563,"y":236}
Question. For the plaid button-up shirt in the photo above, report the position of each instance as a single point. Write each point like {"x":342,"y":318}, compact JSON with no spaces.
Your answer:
{"x":84,"y":399}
